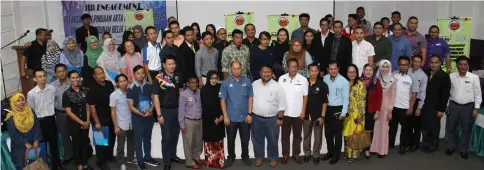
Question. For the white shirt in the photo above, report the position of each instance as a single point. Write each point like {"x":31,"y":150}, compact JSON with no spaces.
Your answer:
{"x":323,"y":37}
{"x":268,"y":98}
{"x":123,"y":114}
{"x":42,"y":101}
{"x":402,"y":91}
{"x":294,"y":89}
{"x":465,"y":89}
{"x":153,"y":56}
{"x":361,"y":53}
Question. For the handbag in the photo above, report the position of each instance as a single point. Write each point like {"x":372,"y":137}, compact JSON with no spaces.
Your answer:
{"x":359,"y":140}
{"x":38,"y":164}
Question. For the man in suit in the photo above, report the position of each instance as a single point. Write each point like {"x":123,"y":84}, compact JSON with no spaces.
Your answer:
{"x":322,"y":43}
{"x":336,"y":47}
{"x":437,"y":96}
{"x":186,"y":54}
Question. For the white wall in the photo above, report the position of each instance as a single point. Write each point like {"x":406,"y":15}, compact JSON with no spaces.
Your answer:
{"x":427,"y":11}
{"x":212,"y":12}
{"x":9,"y":31}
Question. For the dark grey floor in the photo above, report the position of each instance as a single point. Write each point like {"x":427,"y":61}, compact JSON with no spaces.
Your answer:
{"x":411,"y":161}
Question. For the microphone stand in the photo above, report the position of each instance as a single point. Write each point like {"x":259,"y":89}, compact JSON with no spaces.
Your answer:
{"x":1,"y":64}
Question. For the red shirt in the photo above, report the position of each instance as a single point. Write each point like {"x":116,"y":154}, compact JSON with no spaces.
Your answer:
{"x":375,"y":96}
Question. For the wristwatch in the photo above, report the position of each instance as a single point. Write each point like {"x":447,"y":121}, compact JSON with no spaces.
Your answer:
{"x":160,"y":116}
{"x":322,"y":117}
{"x":280,"y":118}
{"x":250,"y":114}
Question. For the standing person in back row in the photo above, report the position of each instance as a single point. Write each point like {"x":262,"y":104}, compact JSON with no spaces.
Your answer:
{"x":85,"y":31}
{"x":206,"y":59}
{"x":236,"y":51}
{"x":250,"y":41}
{"x":465,"y":100}
{"x":338,"y":100}
{"x":167,"y":87}
{"x":236,"y":101}
{"x":41,"y":99}
{"x":417,"y":40}
{"x":295,"y":88}
{"x":151,"y":54}
{"x":304,"y":21}
{"x":185,"y":55}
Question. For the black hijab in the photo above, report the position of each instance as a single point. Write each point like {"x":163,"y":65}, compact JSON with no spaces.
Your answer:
{"x":209,"y":94}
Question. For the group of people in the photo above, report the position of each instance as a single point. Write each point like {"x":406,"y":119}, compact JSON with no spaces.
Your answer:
{"x":340,"y":81}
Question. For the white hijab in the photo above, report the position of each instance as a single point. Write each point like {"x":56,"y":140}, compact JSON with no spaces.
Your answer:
{"x":385,"y":80}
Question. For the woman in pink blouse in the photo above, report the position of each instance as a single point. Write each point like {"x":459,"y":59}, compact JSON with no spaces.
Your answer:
{"x":379,"y":143}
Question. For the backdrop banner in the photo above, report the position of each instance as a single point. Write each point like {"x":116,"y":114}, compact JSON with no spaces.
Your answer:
{"x":237,"y":21}
{"x":456,"y":31}
{"x":275,"y":22}
{"x":144,"y":18}
{"x":109,"y":16}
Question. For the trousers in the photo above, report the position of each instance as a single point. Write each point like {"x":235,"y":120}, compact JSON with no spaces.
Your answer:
{"x":459,"y":115}
{"x":333,"y":131}
{"x":310,"y":126}
{"x":399,"y":116}
{"x":294,"y":123}
{"x":170,"y":132}
{"x":263,"y":128}
{"x":49,"y":132}
{"x":244,"y":135}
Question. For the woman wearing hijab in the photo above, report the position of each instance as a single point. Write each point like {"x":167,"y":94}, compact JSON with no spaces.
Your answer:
{"x":109,"y":60}
{"x":212,"y":122}
{"x":94,"y":50}
{"x":355,"y":120}
{"x":23,"y":128}
{"x":50,"y":59}
{"x":374,"y":94}
{"x":139,"y":36}
{"x":300,"y":54}
{"x":129,"y":60}
{"x":71,"y":56}
{"x":379,"y":143}
{"x":127,"y":35}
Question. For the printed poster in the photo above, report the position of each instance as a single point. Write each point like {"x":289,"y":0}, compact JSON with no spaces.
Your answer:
{"x":144,"y":18}
{"x":457,"y":33}
{"x":108,"y":16}
{"x":237,"y":21}
{"x":275,"y":22}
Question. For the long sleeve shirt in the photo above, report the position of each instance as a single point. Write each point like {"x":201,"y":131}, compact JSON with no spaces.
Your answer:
{"x":205,"y":60}
{"x":190,"y":106}
{"x":20,"y":139}
{"x":339,"y":91}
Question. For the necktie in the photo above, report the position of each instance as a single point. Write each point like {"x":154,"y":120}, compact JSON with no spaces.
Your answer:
{"x":335,"y":49}
{"x":193,"y":49}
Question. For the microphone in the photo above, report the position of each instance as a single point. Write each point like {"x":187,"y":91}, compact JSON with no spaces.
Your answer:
{"x":26,"y":32}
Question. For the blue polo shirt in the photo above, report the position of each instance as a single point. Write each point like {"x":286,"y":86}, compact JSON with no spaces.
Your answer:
{"x":236,"y":96}
{"x":400,"y":47}
{"x":140,"y":94}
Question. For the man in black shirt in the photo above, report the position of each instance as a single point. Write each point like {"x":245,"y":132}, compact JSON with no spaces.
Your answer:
{"x":185,"y":55}
{"x":250,"y":41}
{"x":85,"y":31}
{"x":33,"y":54}
{"x":315,"y":112}
{"x":220,"y":45}
{"x":166,"y":90}
{"x":98,"y":99}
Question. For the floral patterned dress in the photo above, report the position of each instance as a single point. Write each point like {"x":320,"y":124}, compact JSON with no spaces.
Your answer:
{"x":356,"y":110}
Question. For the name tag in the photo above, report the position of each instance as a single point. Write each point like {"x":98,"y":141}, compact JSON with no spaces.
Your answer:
{"x":231,"y":85}
{"x":467,"y":82}
{"x":244,"y":84}
{"x":407,"y":83}
{"x":297,"y":84}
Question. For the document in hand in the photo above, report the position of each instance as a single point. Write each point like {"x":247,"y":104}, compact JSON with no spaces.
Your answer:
{"x":100,"y":138}
{"x":32,"y":155}
{"x":480,"y":120}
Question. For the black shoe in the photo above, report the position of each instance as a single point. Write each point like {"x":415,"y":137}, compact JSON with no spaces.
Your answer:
{"x":392,"y":146}
{"x":141,"y":166}
{"x":60,"y":168}
{"x":167,"y":167}
{"x":105,"y":167}
{"x":449,"y":152}
{"x":402,"y":151}
{"x":334,"y":161}
{"x":464,"y":155}
{"x":229,"y":162}
{"x":178,"y":160}
{"x":87,"y":167}
{"x":152,"y":162}
{"x":113,"y":159}
{"x":66,"y":162}
{"x":413,"y":148}
{"x":306,"y":159}
{"x":380,"y":156}
{"x":316,"y":160}
{"x":326,"y":157}
{"x":247,"y":161}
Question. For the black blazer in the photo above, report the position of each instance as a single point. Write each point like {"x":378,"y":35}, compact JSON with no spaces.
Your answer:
{"x":185,"y":60}
{"x":437,"y":93}
{"x":323,"y":54}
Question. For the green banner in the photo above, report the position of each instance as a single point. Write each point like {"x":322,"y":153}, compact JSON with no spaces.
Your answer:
{"x":456,"y":31}
{"x":143,"y":18}
{"x":237,"y":21}
{"x":275,"y":22}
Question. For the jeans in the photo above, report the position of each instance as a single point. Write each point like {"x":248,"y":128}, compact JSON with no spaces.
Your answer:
{"x":265,"y":128}
{"x":142,"y":128}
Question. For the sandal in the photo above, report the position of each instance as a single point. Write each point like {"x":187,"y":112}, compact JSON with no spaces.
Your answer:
{"x":351,"y":160}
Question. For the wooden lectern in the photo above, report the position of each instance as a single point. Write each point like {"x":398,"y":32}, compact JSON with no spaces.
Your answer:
{"x":26,"y":83}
